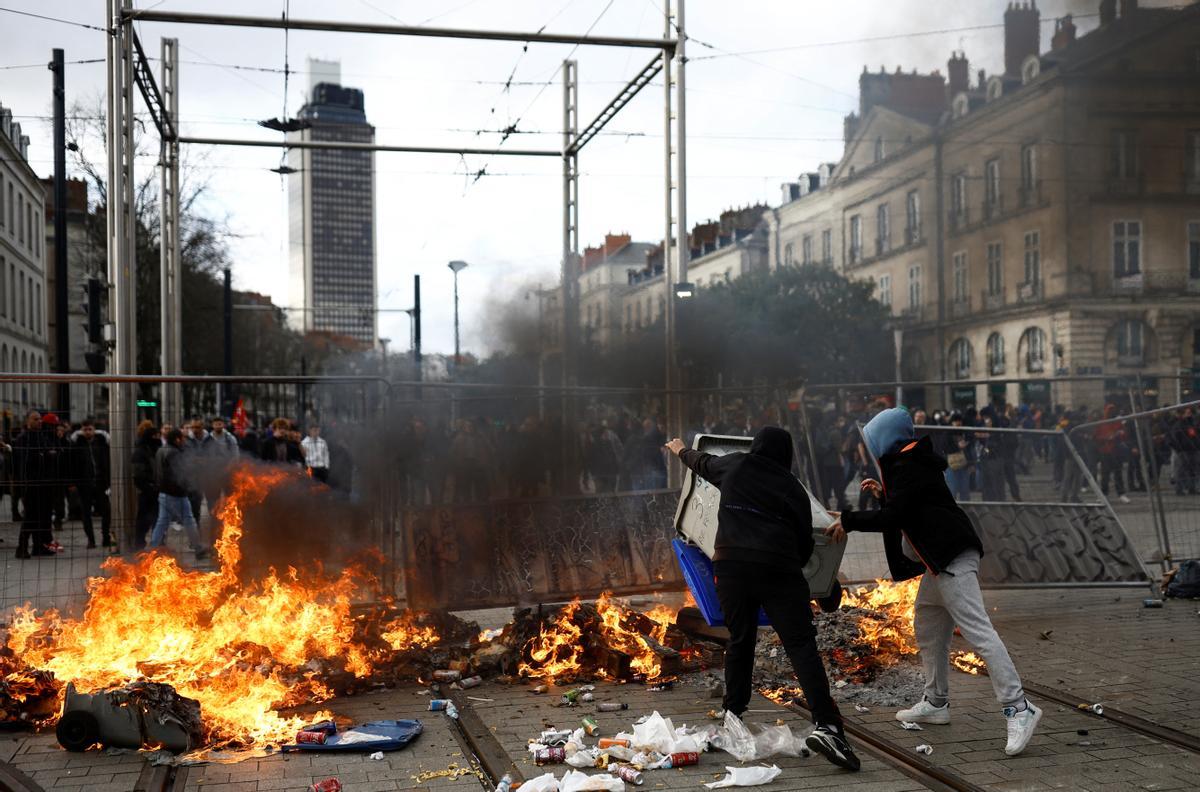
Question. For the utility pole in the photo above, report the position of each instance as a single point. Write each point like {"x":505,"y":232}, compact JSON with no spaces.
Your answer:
{"x":170,"y":298}
{"x":227,"y":368}
{"x":675,"y":174}
{"x":570,"y":274}
{"x":62,"y":349}
{"x":416,"y":332}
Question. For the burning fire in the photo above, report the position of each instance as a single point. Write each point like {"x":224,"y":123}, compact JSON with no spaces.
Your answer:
{"x":406,"y":632}
{"x":885,"y":627}
{"x":558,"y":649}
{"x":968,"y":662}
{"x":242,"y":650}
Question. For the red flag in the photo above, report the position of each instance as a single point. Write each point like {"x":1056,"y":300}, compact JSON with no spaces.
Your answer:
{"x":239,"y":419}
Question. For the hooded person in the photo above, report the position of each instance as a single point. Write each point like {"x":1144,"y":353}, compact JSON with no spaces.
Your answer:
{"x":926,"y":533}
{"x":764,"y":539}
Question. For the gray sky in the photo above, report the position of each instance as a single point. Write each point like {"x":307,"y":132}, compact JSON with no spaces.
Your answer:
{"x":754,"y":120}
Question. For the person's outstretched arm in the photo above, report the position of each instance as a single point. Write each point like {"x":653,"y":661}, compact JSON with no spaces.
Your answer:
{"x":707,"y":466}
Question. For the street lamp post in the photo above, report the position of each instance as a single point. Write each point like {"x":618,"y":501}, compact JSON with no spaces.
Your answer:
{"x":456,"y":267}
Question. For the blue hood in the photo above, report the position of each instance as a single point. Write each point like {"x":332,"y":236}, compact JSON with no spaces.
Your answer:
{"x":888,"y":431}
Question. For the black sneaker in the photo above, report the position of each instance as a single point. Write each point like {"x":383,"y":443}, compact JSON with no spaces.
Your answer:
{"x":830,"y":743}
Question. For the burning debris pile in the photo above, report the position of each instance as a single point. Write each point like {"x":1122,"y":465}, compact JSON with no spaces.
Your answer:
{"x":249,"y":646}
{"x":868,"y":643}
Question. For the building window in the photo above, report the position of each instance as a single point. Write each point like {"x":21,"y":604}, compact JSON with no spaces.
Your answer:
{"x":883,"y":240}
{"x":1127,"y":248}
{"x":1124,"y":154}
{"x":787,"y":255}
{"x":914,"y":287}
{"x":885,"y":290}
{"x":21,"y":219}
{"x":1029,"y":183}
{"x":10,"y":208}
{"x":855,"y":239}
{"x":1033,"y":258}
{"x":878,"y":149}
{"x":961,"y":285}
{"x":995,"y":269}
{"x":1034,"y":342}
{"x":958,"y":195}
{"x":960,"y":358}
{"x":827,"y":246}
{"x":1193,"y":250}
{"x":991,"y":184}
{"x":24,"y":303}
{"x":1130,"y":342}
{"x":806,"y":250}
{"x":37,"y":309}
{"x":912,"y":224}
{"x":995,"y":353}
{"x":2,"y":212}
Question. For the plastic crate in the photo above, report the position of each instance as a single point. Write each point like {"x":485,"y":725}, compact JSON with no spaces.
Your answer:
{"x":698,"y":573}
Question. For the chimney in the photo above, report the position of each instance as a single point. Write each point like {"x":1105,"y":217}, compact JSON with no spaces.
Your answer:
{"x":960,"y":73}
{"x":1128,"y":8}
{"x":982,"y":79}
{"x":1064,"y":33}
{"x":1022,"y":35}
{"x":1108,"y":11}
{"x":849,"y":127}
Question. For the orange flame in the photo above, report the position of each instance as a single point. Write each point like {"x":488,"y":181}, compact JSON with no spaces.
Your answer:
{"x":555,"y":650}
{"x":241,"y":650}
{"x":968,"y":662}
{"x":885,"y":629}
{"x":405,"y":632}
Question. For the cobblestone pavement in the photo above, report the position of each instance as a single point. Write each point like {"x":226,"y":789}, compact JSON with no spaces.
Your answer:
{"x":1101,"y":645}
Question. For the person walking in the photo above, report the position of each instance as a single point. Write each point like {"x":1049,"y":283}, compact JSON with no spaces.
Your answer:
{"x":316,"y":454}
{"x":93,"y":478}
{"x":173,"y":503}
{"x":144,"y":481}
{"x":1111,"y":441}
{"x":927,"y":534}
{"x":764,"y":539}
{"x":220,"y":451}
{"x":34,"y":465}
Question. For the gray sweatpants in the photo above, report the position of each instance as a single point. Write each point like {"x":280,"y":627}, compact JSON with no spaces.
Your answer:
{"x":953,"y":598}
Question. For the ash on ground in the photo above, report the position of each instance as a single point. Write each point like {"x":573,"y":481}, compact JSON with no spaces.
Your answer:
{"x":858,"y":672}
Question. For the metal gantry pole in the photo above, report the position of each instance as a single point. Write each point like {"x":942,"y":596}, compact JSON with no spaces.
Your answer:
{"x":121,"y":256}
{"x":570,"y":274}
{"x":669,"y":374}
{"x":62,"y":325}
{"x":169,"y":293}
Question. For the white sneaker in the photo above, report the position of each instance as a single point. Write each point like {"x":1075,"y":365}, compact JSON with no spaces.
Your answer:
{"x":924,"y":712}
{"x":1021,"y":726}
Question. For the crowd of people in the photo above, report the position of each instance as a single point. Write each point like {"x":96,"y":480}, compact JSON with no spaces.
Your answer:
{"x":58,"y":472}
{"x":990,"y":462}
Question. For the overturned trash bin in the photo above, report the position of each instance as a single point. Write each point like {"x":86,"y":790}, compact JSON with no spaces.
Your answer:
{"x":140,"y":714}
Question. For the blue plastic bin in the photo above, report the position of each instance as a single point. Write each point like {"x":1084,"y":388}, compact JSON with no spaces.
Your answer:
{"x":698,"y":572}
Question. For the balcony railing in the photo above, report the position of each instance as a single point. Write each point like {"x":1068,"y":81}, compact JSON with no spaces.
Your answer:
{"x":912,"y":235}
{"x":960,"y":307}
{"x":1127,"y":186}
{"x":882,"y":245}
{"x":958,"y":219}
{"x":1030,"y":194}
{"x":992,"y":209}
{"x":1125,"y":284}
{"x":992,"y":302}
{"x":1030,"y":291}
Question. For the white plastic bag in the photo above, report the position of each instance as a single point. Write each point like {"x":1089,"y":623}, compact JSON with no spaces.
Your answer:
{"x":586,"y":758}
{"x":778,"y":741}
{"x":735,"y":739}
{"x":746,"y":776}
{"x":655,"y":734}
{"x":575,"y":781}
{"x":543,"y":783}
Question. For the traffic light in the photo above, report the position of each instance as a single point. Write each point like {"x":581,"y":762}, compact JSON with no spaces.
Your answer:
{"x":95,"y":308}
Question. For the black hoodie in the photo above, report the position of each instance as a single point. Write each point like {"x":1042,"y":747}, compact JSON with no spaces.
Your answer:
{"x":765,"y":516}
{"x":917,"y":504}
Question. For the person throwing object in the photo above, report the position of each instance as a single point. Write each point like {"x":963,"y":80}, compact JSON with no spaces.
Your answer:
{"x":926,"y":533}
{"x":764,"y":539}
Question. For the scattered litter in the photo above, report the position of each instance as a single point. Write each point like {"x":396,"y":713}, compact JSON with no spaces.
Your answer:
{"x":447,"y":675}
{"x":611,"y":742}
{"x":479,"y":698}
{"x":1151,"y":602}
{"x":1095,"y":709}
{"x":1082,"y":732}
{"x":546,"y":756}
{"x":452,"y":772}
{"x":746,"y":776}
{"x":540,"y":688}
{"x":587,"y":698}
{"x":662,"y":685}
{"x":681,"y":759}
{"x":861,"y":708}
{"x":735,"y":739}
{"x":388,"y":735}
{"x":469,"y":682}
{"x":328,"y":785}
{"x":575,"y":781}
{"x":505,"y":784}
{"x":841,"y":683}
{"x":590,"y":726}
{"x":627,"y":773}
{"x":778,"y":740}
{"x":1045,"y":634}
{"x":910,"y":726}
{"x":611,"y":706}
{"x":440,"y":705}
{"x":543,"y":783}
{"x":925,"y":749}
{"x":774,"y":652}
